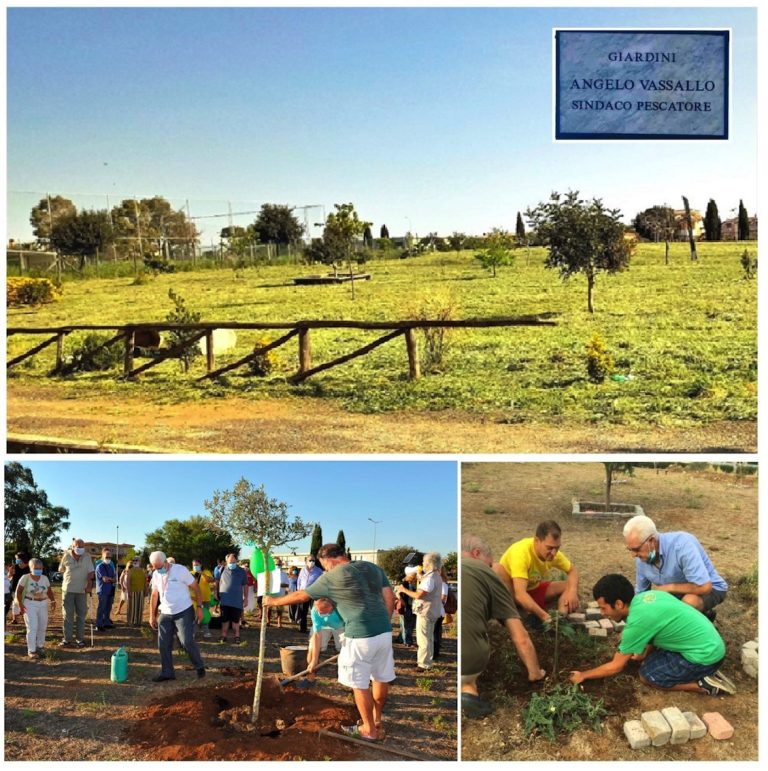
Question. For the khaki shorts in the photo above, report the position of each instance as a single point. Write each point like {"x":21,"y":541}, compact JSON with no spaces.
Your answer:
{"x":363,"y":659}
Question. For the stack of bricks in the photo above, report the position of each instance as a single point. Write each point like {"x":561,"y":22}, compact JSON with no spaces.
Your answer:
{"x":594,"y":623}
{"x":671,"y":726}
{"x":749,"y":658}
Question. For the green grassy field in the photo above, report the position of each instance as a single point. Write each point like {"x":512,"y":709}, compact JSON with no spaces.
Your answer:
{"x":686,"y":332}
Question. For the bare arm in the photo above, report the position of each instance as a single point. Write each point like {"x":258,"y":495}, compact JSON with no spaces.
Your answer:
{"x":609,"y":669}
{"x":569,"y":599}
{"x":389,"y":599}
{"x":525,"y":601}
{"x":292,"y":598}
{"x":524,"y":647}
{"x":687,"y":588}
{"x":153,"y":608}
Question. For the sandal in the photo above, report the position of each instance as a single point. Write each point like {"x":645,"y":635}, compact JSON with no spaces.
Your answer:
{"x":353,"y":731}
{"x":379,"y":730}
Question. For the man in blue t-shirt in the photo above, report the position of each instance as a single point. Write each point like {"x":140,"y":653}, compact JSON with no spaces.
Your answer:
{"x":326,"y":623}
{"x":674,"y":563}
{"x":232,"y":593}
{"x":106,"y":577}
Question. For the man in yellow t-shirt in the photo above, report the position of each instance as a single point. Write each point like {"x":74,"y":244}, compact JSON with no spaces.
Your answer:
{"x":538,"y":574}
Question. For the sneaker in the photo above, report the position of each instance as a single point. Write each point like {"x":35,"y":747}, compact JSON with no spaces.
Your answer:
{"x":31,"y":655}
{"x":201,"y":672}
{"x":726,"y":681}
{"x":65,"y":644}
{"x":40,"y":652}
{"x":162,"y":678}
{"x":79,"y":643}
{"x":716,"y":685}
{"x":474,"y":706}
{"x":207,"y":634}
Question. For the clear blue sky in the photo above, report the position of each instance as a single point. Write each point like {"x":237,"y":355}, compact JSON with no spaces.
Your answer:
{"x":439,"y":119}
{"x":415,"y":502}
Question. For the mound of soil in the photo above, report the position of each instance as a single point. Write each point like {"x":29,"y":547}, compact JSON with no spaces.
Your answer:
{"x":210,"y":723}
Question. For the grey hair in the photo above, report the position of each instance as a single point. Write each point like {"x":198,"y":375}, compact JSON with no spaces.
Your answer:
{"x":433,"y":559}
{"x":36,"y":561}
{"x":643,"y":527}
{"x":157,"y":556}
{"x":471,"y":542}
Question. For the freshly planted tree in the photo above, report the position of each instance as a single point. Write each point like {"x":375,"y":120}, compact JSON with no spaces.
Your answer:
{"x":252,"y":516}
{"x":581,"y":237}
{"x":342,"y":228}
{"x":610,"y":470}
{"x":498,"y":251}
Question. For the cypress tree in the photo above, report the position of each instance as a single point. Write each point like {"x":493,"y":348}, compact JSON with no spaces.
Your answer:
{"x":384,"y":232}
{"x":317,"y":540}
{"x":712,"y":222}
{"x":341,"y":540}
{"x":520,"y":229}
{"x":743,"y":225}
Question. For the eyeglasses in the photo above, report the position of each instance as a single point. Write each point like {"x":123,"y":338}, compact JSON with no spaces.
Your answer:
{"x":636,"y":549}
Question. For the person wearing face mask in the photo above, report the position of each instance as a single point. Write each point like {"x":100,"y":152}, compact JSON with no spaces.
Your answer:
{"x":177,"y":615}
{"x":77,"y":568}
{"x":232,"y":592}
{"x":205,"y":591}
{"x":307,"y":576}
{"x":674,"y":563}
{"x":106,"y":578}
{"x":33,"y":593}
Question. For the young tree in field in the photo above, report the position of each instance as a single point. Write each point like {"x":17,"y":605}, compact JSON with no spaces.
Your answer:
{"x":83,"y":234}
{"x":743,"y":223}
{"x":520,"y":230}
{"x":277,"y":224}
{"x":610,"y":470}
{"x":46,"y":215}
{"x":498,"y":250}
{"x":190,"y":539}
{"x":317,"y":540}
{"x":252,"y":516}
{"x":581,"y":237}
{"x":342,"y":228}
{"x":656,"y":223}
{"x":32,"y":522}
{"x":712,"y":222}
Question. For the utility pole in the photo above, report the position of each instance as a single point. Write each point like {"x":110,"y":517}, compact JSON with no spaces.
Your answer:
{"x":375,"y":522}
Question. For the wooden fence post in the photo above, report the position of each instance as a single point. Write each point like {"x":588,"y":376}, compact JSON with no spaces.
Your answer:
{"x":209,"y":359}
{"x":305,"y":350}
{"x":130,"y":341}
{"x":59,"y":351}
{"x":414,"y":371}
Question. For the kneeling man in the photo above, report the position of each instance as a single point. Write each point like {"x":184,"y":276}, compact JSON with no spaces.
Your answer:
{"x":538,"y":574}
{"x":679,"y":648}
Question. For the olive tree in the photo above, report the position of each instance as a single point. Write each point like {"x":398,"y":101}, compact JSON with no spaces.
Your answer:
{"x":581,"y":237}
{"x":250,"y":515}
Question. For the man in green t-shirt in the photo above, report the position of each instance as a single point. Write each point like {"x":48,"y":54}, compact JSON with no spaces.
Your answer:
{"x":679,"y":647}
{"x":365,"y":601}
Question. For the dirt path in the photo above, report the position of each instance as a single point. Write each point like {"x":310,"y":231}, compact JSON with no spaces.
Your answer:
{"x":313,"y":426}
{"x":65,"y":707}
{"x":503,"y":502}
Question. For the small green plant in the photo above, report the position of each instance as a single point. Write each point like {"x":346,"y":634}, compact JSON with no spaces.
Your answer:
{"x":28,"y":713}
{"x":93,"y":354}
{"x":30,"y":730}
{"x":438,"y":306}
{"x":142,"y":277}
{"x":437,"y":702}
{"x":472,"y":487}
{"x":10,"y":639}
{"x":50,"y":655}
{"x":442,"y":725}
{"x":562,"y":710}
{"x":746,"y":586}
{"x":424,"y":683}
{"x":177,"y":337}
{"x":263,"y":364}
{"x":147,"y":633}
{"x":490,"y":510}
{"x":748,"y":264}
{"x":599,"y":361}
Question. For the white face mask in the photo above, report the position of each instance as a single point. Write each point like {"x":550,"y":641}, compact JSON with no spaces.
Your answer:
{"x":79,"y":550}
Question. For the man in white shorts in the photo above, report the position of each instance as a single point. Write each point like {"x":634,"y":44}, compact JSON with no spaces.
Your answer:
{"x":365,"y":601}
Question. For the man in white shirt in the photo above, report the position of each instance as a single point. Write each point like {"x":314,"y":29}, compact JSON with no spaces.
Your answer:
{"x":170,"y":596}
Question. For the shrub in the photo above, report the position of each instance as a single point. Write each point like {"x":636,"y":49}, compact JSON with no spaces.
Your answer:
{"x":439,"y":306}
{"x":30,"y":291}
{"x":562,"y":710}
{"x":599,"y":360}
{"x":182,"y":315}
{"x":92,"y":355}
{"x":263,"y":364}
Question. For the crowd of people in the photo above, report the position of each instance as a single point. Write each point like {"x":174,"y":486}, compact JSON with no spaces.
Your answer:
{"x":668,"y":614}
{"x":329,"y":598}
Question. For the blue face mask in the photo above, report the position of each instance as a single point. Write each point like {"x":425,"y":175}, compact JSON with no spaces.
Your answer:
{"x":37,"y":572}
{"x":232,"y":565}
{"x":162,"y":571}
{"x":652,"y":556}
{"x":18,"y":562}
{"x":197,"y":568}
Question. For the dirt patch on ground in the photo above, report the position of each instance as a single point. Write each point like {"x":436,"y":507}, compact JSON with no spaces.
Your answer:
{"x":64,"y":707}
{"x":310,"y":425}
{"x":503,"y":502}
{"x":213,"y":723}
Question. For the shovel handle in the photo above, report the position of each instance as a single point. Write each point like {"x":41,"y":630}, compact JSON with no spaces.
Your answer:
{"x":301,"y":674}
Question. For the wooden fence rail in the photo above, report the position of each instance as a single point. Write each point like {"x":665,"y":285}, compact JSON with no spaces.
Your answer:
{"x":128,"y":334}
